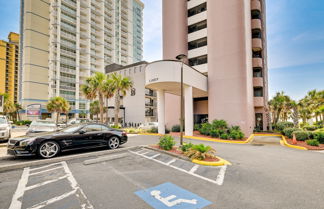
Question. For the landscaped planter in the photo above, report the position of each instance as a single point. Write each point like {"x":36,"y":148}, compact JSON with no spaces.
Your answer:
{"x":304,"y":144}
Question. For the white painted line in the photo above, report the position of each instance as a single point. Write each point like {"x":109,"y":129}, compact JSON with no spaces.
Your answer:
{"x":17,"y":197}
{"x":106,"y":158}
{"x":221,"y":175}
{"x":44,"y":171}
{"x":144,"y":153}
{"x":194,"y":168}
{"x":171,"y":161}
{"x":154,"y":156}
{"x":45,"y":166}
{"x":52,"y":200}
{"x":45,"y":182}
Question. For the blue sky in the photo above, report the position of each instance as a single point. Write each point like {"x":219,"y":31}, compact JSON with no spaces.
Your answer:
{"x":295,"y":31}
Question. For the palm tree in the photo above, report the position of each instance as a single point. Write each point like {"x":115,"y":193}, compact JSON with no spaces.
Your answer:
{"x":94,"y":108}
{"x":97,"y":86}
{"x":66,"y":110}
{"x":58,"y":105}
{"x":120,"y":85}
{"x":9,"y":108}
{"x":304,"y":110}
{"x":18,"y":107}
{"x":295,"y":113}
{"x":277,"y":104}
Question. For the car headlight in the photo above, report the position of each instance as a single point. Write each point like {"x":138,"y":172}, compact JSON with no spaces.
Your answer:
{"x":26,"y":142}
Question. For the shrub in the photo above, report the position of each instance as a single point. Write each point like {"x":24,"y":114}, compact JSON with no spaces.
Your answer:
{"x":205,"y":128}
{"x":310,"y":128}
{"x":224,"y":136}
{"x":319,"y":136}
{"x":236,"y":134}
{"x":153,"y":130}
{"x":289,"y":132}
{"x":166,"y":142}
{"x":200,"y":152}
{"x":214,"y":133}
{"x":167,"y":131}
{"x":116,"y":126}
{"x":282,"y":125}
{"x":175,"y":128}
{"x":219,"y":124}
{"x":301,"y":135}
{"x":197,"y":127}
{"x":237,"y":128}
{"x":185,"y":147}
{"x":312,"y":142}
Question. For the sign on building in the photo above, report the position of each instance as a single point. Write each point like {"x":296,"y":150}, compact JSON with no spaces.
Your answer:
{"x":34,"y":110}
{"x":1,"y":103}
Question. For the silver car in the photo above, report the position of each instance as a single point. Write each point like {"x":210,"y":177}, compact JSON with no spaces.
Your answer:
{"x":5,"y":128}
{"x":39,"y":126}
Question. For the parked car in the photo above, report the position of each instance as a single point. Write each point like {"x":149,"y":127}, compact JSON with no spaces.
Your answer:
{"x":149,"y":125}
{"x":5,"y":128}
{"x":77,"y":121}
{"x":78,"y":136}
{"x":39,"y":126}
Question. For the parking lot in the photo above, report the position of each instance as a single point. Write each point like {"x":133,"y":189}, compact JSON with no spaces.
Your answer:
{"x":267,"y":176}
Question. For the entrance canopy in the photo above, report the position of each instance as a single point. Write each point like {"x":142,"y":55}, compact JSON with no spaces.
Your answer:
{"x":166,"y":75}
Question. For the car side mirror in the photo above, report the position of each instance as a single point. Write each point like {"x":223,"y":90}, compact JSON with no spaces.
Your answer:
{"x":82,"y":132}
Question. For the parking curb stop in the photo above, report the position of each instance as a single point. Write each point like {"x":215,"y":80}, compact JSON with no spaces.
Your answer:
{"x":221,"y":162}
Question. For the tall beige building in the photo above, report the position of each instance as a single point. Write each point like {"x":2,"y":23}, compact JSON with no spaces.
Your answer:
{"x":64,"y":41}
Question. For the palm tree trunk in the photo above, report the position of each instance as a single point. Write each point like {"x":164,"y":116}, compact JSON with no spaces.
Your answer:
{"x":101,"y":104}
{"x":117,"y":106}
{"x":57,"y":117}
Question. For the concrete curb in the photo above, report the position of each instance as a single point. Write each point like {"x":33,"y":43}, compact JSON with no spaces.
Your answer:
{"x":285,"y":143}
{"x":63,"y":158}
{"x":221,"y":162}
{"x":168,"y":153}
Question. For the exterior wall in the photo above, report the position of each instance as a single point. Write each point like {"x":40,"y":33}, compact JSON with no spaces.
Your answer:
{"x":65,"y":41}
{"x":201,"y":107}
{"x":229,"y":65}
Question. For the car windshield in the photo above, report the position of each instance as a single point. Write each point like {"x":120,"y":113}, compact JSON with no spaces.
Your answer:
{"x":43,"y":123}
{"x":71,"y":129}
{"x":3,"y":121}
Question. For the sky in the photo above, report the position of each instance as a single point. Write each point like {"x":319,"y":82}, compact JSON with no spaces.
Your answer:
{"x":295,"y":33}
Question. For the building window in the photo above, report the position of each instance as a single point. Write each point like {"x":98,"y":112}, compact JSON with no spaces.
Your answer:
{"x":257,"y":72}
{"x":258,"y":91}
{"x":257,"y":54}
{"x":198,"y":9}
{"x":256,"y":14}
{"x":256,"y":33}
{"x":259,"y":121}
{"x":198,"y":60}
{"x":198,"y":26}
{"x":197,"y":43}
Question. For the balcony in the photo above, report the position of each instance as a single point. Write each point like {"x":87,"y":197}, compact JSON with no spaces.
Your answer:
{"x":258,"y":101}
{"x":256,"y":5}
{"x":257,"y":62}
{"x":197,"y":18}
{"x":257,"y":81}
{"x":197,"y":52}
{"x":256,"y":24}
{"x":257,"y":44}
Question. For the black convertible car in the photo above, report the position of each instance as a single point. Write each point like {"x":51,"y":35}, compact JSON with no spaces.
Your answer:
{"x":79,"y":136}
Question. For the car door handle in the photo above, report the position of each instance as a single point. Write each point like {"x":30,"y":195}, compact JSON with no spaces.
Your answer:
{"x":99,"y":134}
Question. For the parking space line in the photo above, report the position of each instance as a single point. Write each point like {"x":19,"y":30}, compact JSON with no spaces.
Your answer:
{"x":44,"y":171}
{"x":45,"y":166}
{"x":16,"y":201}
{"x":219,"y":180}
{"x":194,"y":168}
{"x":154,"y":156}
{"x":45,"y":182}
{"x":171,"y":161}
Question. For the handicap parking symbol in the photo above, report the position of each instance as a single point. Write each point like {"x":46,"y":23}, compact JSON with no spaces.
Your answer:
{"x":170,"y":196}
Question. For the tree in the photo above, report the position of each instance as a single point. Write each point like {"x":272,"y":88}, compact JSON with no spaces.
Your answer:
{"x":94,"y":108}
{"x":278,"y":104}
{"x":98,"y":86}
{"x":18,"y":107}
{"x":120,"y":85}
{"x":58,"y":105}
{"x":9,"y":108}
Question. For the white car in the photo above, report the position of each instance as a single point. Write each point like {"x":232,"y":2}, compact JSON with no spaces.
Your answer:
{"x":5,"y":128}
{"x":149,"y":125}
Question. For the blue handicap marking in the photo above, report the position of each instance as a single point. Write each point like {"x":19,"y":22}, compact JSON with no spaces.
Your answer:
{"x":170,"y":196}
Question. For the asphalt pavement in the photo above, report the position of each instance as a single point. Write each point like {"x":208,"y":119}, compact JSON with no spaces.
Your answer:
{"x":262,"y":175}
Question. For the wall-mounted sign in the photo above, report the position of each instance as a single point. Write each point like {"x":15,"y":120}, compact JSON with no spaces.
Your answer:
{"x":153,"y":80}
{"x":34,"y":110}
{"x":133,"y":92}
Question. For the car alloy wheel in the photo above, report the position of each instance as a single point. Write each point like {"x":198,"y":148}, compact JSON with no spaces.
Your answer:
{"x":113,"y":142}
{"x":49,"y":149}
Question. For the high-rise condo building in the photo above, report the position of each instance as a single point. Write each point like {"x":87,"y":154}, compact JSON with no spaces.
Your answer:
{"x":225,"y":74}
{"x":9,"y":52}
{"x":64,"y":41}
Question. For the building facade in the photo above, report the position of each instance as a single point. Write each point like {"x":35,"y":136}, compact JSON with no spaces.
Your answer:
{"x":64,"y":41}
{"x":9,"y":59}
{"x":139,"y":105}
{"x":224,"y":40}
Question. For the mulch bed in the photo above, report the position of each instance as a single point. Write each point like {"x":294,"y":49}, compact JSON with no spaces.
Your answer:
{"x":179,"y":152}
{"x":197,"y":134}
{"x":304,"y":144}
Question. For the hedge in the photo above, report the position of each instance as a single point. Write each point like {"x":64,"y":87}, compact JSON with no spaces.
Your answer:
{"x":301,"y":135}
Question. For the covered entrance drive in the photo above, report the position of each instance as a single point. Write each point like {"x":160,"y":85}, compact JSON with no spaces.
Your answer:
{"x":165,"y":77}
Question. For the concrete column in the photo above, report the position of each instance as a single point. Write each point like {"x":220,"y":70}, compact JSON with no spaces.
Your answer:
{"x":161,"y":111}
{"x":188,"y":100}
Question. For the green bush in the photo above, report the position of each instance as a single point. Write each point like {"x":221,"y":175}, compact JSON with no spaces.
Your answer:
{"x":23,"y":122}
{"x":219,"y":124}
{"x":282,"y":125}
{"x":319,"y":136}
{"x":289,"y":132}
{"x":153,"y":130}
{"x":175,"y":128}
{"x":205,"y":129}
{"x":224,"y":136}
{"x":301,"y":135}
{"x":197,"y":127}
{"x":237,"y":128}
{"x":310,"y":128}
{"x":201,"y":148}
{"x":312,"y":142}
{"x":214,"y":133}
{"x":166,"y":142}
{"x":185,"y":147}
{"x":236,"y":134}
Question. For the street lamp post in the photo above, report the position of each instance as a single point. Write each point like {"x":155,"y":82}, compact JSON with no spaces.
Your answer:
{"x":181,"y":57}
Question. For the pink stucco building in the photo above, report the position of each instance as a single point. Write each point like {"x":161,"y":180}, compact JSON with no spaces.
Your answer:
{"x":225,"y":41}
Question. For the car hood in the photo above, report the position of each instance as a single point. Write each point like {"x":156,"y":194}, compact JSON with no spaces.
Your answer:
{"x":4,"y":125}
{"x":42,"y":135}
{"x":42,"y":128}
